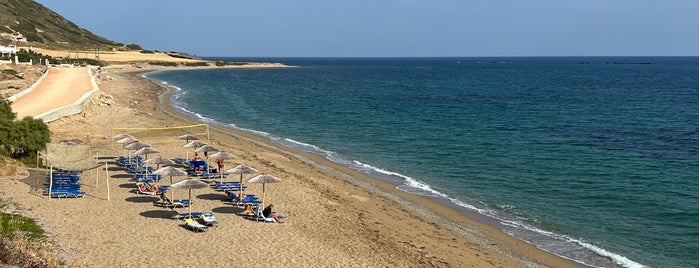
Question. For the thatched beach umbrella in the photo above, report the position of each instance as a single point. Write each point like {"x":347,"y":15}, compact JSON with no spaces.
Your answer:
{"x":159,"y":160}
{"x":264,"y":179}
{"x":122,"y":135}
{"x":189,"y":185}
{"x":145,"y":151}
{"x":242,"y":169}
{"x":136,"y":145}
{"x":171,"y":172}
{"x":187,"y":138}
{"x":222,"y":156}
{"x":206,"y":149}
{"x":125,"y":141}
{"x":192,"y":144}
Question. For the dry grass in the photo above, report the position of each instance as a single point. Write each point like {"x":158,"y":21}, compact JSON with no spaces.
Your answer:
{"x":18,"y":249}
{"x":22,"y":242}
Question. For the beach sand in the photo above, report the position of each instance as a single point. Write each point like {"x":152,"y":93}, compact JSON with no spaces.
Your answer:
{"x":334,"y":216}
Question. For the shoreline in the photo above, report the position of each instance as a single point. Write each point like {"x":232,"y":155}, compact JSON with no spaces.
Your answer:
{"x":486,"y":234}
{"x":329,"y":221}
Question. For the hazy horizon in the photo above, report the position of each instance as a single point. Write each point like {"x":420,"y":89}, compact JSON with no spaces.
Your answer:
{"x":395,"y":28}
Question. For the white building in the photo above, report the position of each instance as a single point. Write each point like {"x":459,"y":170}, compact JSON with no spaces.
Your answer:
{"x":8,"y":50}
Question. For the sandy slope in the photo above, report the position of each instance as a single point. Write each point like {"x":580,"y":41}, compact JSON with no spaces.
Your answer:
{"x":61,"y":87}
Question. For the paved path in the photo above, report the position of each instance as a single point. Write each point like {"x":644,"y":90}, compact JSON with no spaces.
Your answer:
{"x":61,"y":87}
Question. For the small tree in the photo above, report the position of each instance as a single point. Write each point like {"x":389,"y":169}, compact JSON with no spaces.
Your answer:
{"x":21,"y":139}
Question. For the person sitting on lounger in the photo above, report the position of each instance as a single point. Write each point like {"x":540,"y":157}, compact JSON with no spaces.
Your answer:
{"x":249,"y":210}
{"x":196,"y":156}
{"x":268,"y":213}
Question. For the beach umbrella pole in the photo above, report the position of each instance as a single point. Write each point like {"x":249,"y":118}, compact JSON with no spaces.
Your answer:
{"x":106,"y":168}
{"x":190,"y":203}
{"x":240,"y":188}
{"x":50,"y":181}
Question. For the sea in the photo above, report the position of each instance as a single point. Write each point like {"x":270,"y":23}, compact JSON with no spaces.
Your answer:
{"x":595,"y":159}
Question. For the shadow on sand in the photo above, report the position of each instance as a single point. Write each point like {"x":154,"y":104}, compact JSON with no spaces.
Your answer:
{"x":142,"y":199}
{"x":130,"y":185}
{"x":159,"y":214}
{"x":227,"y":210}
{"x":221,"y":197}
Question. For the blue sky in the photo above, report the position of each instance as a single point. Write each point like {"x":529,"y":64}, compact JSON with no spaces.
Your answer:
{"x":395,"y":28}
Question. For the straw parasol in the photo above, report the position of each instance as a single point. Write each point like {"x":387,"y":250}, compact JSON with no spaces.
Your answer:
{"x":189,"y":185}
{"x":206,"y":148}
{"x":192,"y":144}
{"x":264,"y":179}
{"x":172,"y":172}
{"x":136,"y":145}
{"x":145,"y":151}
{"x":122,"y":135}
{"x":187,"y":138}
{"x":242,"y":169}
{"x":126,"y":140}
{"x":222,"y":156}
{"x":160,"y":160}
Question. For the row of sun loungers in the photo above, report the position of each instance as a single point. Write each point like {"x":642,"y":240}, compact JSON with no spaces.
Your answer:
{"x":63,"y":185}
{"x":229,"y":186}
{"x":143,"y":177}
{"x":130,"y":161}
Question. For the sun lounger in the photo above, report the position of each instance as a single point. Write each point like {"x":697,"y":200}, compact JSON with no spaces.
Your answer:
{"x":183,"y":216}
{"x":250,"y":199}
{"x":145,"y":177}
{"x":65,"y":193}
{"x":213,"y":175}
{"x":208,"y":219}
{"x":255,"y":213}
{"x":141,"y":169}
{"x":195,"y":226}
{"x":177,"y":203}
{"x":142,"y":189}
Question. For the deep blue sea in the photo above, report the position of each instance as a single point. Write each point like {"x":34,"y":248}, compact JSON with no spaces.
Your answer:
{"x":595,"y":159}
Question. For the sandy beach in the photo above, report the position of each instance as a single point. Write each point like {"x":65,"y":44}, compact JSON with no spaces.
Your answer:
{"x":334,"y":216}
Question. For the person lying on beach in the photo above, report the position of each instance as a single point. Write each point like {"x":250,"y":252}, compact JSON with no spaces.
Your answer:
{"x":268,"y":213}
{"x":153,"y":188}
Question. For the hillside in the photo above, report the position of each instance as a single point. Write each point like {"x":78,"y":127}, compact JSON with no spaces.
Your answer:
{"x":42,"y":27}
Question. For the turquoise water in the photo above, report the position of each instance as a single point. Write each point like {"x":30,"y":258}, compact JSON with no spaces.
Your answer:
{"x":594,"y":159}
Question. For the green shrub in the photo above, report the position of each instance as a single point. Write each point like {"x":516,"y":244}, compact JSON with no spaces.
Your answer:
{"x":10,"y":223}
{"x":163,"y":63}
{"x":21,"y":139}
{"x":134,"y":47}
{"x":10,"y":72}
{"x":223,"y":63}
{"x":199,"y":63}
{"x":147,"y":52}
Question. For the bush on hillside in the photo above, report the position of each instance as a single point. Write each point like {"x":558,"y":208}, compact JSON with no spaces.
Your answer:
{"x":134,"y":47}
{"x":195,"y":64}
{"x":163,"y":63}
{"x":224,"y":63}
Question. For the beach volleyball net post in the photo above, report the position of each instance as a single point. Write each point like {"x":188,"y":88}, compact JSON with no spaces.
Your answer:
{"x":146,"y":134}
